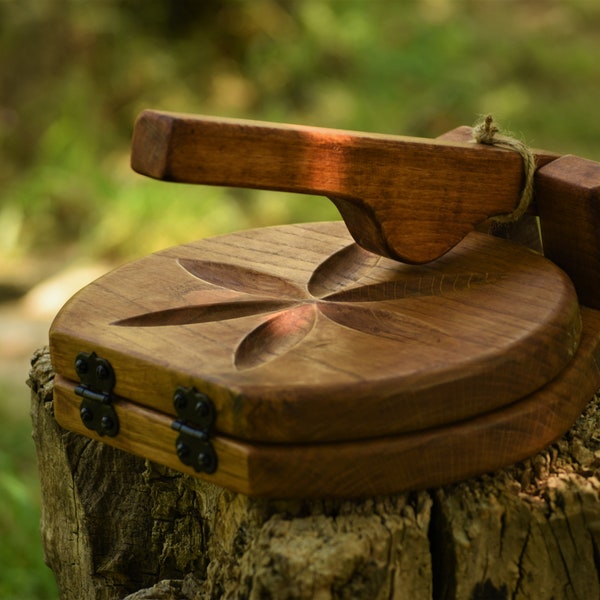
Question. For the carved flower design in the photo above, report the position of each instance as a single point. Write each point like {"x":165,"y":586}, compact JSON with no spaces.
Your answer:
{"x":336,"y":291}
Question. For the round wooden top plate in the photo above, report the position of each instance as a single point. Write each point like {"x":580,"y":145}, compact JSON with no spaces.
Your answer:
{"x":297,"y":334}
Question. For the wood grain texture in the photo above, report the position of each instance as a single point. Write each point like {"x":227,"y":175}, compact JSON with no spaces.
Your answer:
{"x":463,"y":135}
{"x":370,"y":467}
{"x":526,"y":230}
{"x":568,"y":198}
{"x":299,"y":335}
{"x":410,"y":199}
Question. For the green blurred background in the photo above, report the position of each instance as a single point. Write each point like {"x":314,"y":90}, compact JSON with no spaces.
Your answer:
{"x":75,"y":73}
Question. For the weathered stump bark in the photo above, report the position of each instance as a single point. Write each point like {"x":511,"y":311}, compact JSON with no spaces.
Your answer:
{"x":113,"y":525}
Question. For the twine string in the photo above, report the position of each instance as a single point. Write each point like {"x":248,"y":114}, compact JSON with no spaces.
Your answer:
{"x":487,"y":132}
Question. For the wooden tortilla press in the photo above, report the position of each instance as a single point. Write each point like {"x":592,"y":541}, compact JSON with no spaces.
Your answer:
{"x":296,"y":361}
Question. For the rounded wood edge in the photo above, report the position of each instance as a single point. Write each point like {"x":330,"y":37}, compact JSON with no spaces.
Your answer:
{"x":439,"y":456}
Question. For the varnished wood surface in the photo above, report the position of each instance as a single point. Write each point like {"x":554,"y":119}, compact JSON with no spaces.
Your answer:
{"x":525,"y":231}
{"x":297,"y":334}
{"x":568,"y":197}
{"x":463,"y":135}
{"x":372,"y":467}
{"x":407,"y":198}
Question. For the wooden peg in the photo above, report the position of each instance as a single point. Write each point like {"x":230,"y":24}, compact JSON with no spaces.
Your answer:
{"x":568,"y":201}
{"x":407,"y":198}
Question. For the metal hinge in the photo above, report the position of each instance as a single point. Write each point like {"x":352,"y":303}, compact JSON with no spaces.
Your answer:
{"x":195,"y":416}
{"x":97,"y":383}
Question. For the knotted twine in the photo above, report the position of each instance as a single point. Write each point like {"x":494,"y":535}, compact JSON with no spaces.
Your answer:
{"x":486,"y":132}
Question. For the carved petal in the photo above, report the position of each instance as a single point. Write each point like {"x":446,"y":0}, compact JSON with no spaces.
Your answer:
{"x":341,"y":269}
{"x":275,"y":337}
{"x":203,"y":313}
{"x":408,"y":287}
{"x":241,"y":279}
{"x":380,"y":323}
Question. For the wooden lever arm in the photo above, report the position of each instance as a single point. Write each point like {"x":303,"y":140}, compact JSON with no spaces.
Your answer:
{"x":407,"y":198}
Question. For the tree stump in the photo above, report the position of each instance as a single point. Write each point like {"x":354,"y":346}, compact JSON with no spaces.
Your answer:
{"x":116,"y":526}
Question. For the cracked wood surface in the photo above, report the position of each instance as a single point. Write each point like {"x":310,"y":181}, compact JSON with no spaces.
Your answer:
{"x":114,"y":524}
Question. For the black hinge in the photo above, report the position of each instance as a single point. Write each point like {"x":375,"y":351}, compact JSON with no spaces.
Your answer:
{"x":97,"y":383}
{"x":195,"y":416}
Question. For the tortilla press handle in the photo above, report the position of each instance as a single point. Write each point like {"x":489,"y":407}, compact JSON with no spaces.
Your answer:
{"x":407,"y":198}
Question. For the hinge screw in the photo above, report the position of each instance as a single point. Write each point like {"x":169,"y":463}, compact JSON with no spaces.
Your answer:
{"x":183,"y":450}
{"x":180,"y":400}
{"x":202,"y":409}
{"x":87,"y":416}
{"x":81,"y":366}
{"x":204,"y":460}
{"x":106,"y":423}
{"x":101,"y":372}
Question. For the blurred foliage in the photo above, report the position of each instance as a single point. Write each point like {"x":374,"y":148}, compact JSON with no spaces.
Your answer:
{"x":22,"y":573}
{"x":75,"y":73}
